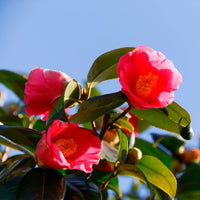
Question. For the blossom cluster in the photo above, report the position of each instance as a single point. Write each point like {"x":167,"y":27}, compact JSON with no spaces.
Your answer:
{"x":148,"y":80}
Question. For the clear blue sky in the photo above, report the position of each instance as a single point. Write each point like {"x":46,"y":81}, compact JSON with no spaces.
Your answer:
{"x":69,"y":35}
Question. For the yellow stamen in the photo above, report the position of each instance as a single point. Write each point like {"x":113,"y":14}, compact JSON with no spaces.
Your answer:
{"x":67,"y":146}
{"x":145,"y":85}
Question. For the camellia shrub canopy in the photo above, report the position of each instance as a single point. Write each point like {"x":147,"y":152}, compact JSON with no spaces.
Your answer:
{"x":75,"y":142}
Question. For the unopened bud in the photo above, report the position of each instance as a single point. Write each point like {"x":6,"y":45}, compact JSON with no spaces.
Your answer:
{"x":134,"y":155}
{"x":111,"y":137}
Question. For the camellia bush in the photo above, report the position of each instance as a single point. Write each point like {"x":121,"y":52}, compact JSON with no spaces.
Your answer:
{"x":74,"y":142}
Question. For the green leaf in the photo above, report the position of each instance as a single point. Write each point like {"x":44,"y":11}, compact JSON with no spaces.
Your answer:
{"x":131,"y":170}
{"x":21,"y":138}
{"x":159,"y":194}
{"x":72,"y":93}
{"x":148,"y":148}
{"x":14,"y":82}
{"x":123,"y":146}
{"x":17,"y":164}
{"x":10,"y":120}
{"x":80,"y":188}
{"x":105,"y":66}
{"x":99,"y":177}
{"x":170,"y":118}
{"x":70,"y":96}
{"x":170,"y":142}
{"x":58,"y":112}
{"x":41,"y":184}
{"x":158,"y":174}
{"x":39,"y":125}
{"x":123,"y":122}
{"x":189,"y":184}
{"x":97,"y":106}
{"x":8,"y":189}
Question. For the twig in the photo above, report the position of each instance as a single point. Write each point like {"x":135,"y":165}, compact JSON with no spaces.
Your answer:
{"x":105,"y":125}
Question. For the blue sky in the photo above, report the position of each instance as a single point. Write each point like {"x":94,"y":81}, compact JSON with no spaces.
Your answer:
{"x":69,"y":35}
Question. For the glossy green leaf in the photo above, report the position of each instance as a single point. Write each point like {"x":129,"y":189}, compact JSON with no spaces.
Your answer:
{"x":123,"y":122}
{"x":97,"y":106}
{"x":158,"y":174}
{"x":39,"y":125}
{"x":79,"y":188}
{"x":43,"y":184}
{"x":131,"y":170}
{"x":105,"y":66}
{"x":15,"y":165}
{"x":8,"y":189}
{"x":170,"y":142}
{"x":189,"y":184}
{"x":58,"y":112}
{"x":148,"y":148}
{"x":70,"y":96}
{"x":72,"y":93}
{"x":10,"y":120}
{"x":13,"y":81}
{"x":159,"y":194}
{"x":170,"y":118}
{"x":99,"y":177}
{"x":123,"y":146}
{"x":23,"y":138}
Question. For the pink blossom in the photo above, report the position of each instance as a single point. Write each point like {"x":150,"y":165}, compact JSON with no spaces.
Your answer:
{"x":68,"y":146}
{"x":148,"y":79}
{"x":42,"y":90}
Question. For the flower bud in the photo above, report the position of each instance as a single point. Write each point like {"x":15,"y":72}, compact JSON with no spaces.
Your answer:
{"x":134,"y":155}
{"x":187,"y":132}
{"x":111,"y":137}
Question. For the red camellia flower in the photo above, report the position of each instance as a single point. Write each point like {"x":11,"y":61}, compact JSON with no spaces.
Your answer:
{"x":42,"y":91}
{"x":68,"y":146}
{"x":148,"y":79}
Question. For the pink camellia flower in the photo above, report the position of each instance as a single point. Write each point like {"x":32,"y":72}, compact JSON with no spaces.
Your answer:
{"x":148,"y":79}
{"x":42,"y":91}
{"x":67,"y":146}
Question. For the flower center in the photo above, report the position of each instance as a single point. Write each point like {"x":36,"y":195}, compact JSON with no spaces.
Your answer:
{"x":145,"y":85}
{"x":67,"y":146}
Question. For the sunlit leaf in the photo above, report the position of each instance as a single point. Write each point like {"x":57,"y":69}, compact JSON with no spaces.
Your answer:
{"x":170,"y":118}
{"x":158,"y":174}
{"x":123,"y":145}
{"x":58,"y":112}
{"x":159,"y":194}
{"x":123,"y":122}
{"x":131,"y":170}
{"x":72,"y":93}
{"x":41,"y":184}
{"x":97,"y":106}
{"x":13,"y":81}
{"x":148,"y":148}
{"x":105,"y":66}
{"x":70,"y":96}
